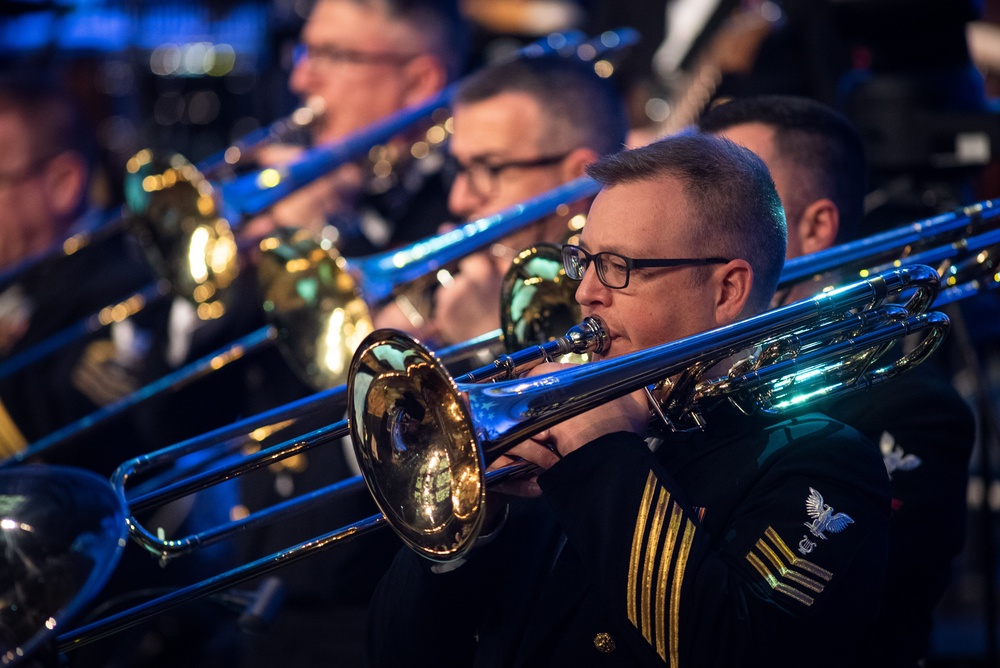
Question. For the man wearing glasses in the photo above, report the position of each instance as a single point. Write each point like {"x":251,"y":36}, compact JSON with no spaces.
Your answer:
{"x":754,"y":541}
{"x":519,"y":129}
{"x":923,"y":427}
{"x":358,"y":62}
{"x":45,"y":171}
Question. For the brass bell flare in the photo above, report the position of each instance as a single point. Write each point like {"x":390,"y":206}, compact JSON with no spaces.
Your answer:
{"x":173,"y":213}
{"x":314,"y":303}
{"x":62,"y":531}
{"x":414,"y":439}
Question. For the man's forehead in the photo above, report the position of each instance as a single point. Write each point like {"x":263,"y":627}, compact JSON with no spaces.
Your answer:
{"x":637,"y":214}
{"x":501,"y":125}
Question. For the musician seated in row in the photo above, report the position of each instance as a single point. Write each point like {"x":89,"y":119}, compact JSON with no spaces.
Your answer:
{"x":364,"y":60}
{"x":924,"y":429}
{"x":758,"y":541}
{"x":46,"y":166}
{"x":520,"y":129}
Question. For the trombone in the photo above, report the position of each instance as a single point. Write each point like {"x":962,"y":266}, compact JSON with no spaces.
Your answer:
{"x":199,"y":258}
{"x":944,"y":238}
{"x":318,"y":303}
{"x":423,"y":439}
{"x":194,"y":248}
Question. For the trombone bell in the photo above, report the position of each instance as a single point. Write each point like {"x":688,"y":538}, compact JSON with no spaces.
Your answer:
{"x":414,"y":439}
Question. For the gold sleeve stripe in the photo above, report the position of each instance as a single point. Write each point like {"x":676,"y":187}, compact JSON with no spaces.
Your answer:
{"x":788,"y":567}
{"x":12,"y":441}
{"x":675,"y":603}
{"x":661,"y":544}
{"x":637,"y":535}
{"x":649,"y":567}
{"x":775,"y":584}
{"x":809,"y":583}
{"x":795,"y":560}
{"x":673,"y":530}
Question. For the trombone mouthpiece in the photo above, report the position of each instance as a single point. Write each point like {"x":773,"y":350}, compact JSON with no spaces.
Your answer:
{"x":590,"y":336}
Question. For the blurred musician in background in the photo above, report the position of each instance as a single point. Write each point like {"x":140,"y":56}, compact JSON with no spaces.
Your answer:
{"x":923,"y":427}
{"x":45,"y":179}
{"x":364,"y":60}
{"x":694,"y":553}
{"x":519,"y":129}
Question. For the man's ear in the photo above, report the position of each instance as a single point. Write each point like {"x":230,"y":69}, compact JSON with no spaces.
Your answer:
{"x":425,"y":76}
{"x":735,"y":283}
{"x":818,"y":227}
{"x":66,"y":183}
{"x":575,"y":164}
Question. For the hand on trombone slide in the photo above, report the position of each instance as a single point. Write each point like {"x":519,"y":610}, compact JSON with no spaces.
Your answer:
{"x":310,"y":206}
{"x":628,"y":413}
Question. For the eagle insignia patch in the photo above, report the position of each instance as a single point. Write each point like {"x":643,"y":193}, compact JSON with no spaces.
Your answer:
{"x":893,"y":456}
{"x":824,"y":518}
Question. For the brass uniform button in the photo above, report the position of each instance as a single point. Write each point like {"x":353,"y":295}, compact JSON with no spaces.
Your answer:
{"x":604,"y":643}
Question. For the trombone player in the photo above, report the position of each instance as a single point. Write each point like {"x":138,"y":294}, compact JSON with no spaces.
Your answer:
{"x":923,"y":427}
{"x":363,"y":60}
{"x":519,"y":129}
{"x":756,"y":541}
{"x":46,"y":171}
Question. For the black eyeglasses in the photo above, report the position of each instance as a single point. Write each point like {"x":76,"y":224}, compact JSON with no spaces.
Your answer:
{"x":483,"y":175}
{"x":325,"y":55}
{"x":613,"y":269}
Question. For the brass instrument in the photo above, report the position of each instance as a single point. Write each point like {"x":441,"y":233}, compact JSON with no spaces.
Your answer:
{"x":948,"y":237}
{"x":63,"y":531}
{"x":588,"y":336}
{"x":423,"y":441}
{"x":318,"y":303}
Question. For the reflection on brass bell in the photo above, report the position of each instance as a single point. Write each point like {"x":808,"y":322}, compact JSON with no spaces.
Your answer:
{"x":604,"y":643}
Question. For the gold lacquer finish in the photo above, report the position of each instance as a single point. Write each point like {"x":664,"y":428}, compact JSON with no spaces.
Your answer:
{"x":315,"y":305}
{"x":173,"y":214}
{"x":412,"y":436}
{"x":539,"y":299}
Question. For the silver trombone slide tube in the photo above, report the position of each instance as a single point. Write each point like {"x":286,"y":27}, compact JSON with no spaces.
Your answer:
{"x":941,"y":229}
{"x":252,"y":193}
{"x":94,"y":631}
{"x":590,"y":335}
{"x":253,"y":429}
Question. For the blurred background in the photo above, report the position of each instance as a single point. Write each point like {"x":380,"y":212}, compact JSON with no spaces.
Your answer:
{"x":920,"y":78}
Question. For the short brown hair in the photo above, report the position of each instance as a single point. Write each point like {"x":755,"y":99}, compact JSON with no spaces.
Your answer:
{"x":730,"y":190}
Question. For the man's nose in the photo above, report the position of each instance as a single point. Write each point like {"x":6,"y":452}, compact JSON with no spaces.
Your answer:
{"x":591,"y":291}
{"x":463,"y":199}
